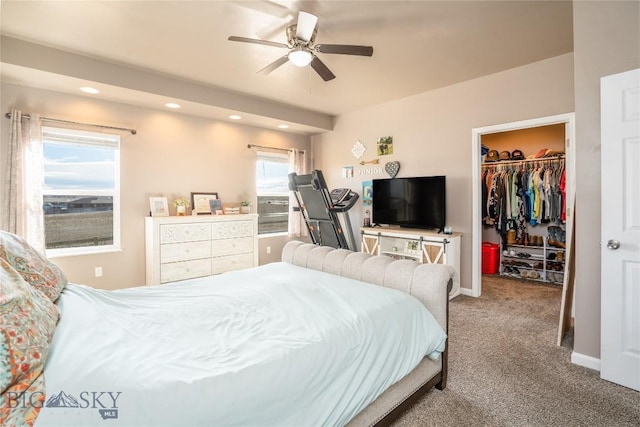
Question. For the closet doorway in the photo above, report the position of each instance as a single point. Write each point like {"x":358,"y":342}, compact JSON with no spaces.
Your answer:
{"x":500,"y":137}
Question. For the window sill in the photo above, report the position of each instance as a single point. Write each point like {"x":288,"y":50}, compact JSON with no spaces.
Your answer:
{"x":65,"y":253}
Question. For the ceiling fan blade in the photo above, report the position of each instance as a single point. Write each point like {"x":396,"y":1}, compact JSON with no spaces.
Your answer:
{"x":270,"y":8}
{"x":345,"y":49}
{"x":257,"y":41}
{"x":306,"y":24}
{"x":275,"y":64}
{"x":322,"y":69}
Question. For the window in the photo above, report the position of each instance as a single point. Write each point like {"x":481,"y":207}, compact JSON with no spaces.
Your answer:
{"x":272,"y":188}
{"x":81,"y":191}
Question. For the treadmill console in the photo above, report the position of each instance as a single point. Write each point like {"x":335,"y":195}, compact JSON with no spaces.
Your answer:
{"x":339,"y":195}
{"x":343,"y":199}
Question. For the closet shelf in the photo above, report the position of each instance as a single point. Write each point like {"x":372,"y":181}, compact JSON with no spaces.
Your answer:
{"x":549,"y":248}
{"x":525,"y":161}
{"x":529,"y":258}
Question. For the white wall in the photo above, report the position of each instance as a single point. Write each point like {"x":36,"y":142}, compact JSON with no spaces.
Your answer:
{"x":171,"y":155}
{"x":432,"y":133}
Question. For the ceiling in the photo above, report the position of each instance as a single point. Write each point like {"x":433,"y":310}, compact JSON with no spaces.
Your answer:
{"x":418,"y":46}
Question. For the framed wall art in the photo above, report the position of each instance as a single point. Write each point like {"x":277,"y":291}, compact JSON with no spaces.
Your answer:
{"x":347,"y":172}
{"x":367,"y":193}
{"x":200,"y":202}
{"x":384,"y":146}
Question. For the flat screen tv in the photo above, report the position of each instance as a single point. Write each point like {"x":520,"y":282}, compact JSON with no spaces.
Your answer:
{"x":417,"y":202}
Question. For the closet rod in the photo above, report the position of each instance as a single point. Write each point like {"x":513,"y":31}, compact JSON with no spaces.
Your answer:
{"x":47,"y":119}
{"x":271,"y":148}
{"x":512,"y":162}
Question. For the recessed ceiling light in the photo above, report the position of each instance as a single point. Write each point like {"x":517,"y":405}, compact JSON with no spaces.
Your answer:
{"x":87,"y":89}
{"x":172,"y":105}
{"x":283,"y":126}
{"x":235,"y":117}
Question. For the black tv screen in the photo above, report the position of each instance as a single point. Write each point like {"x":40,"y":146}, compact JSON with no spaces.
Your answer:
{"x":418,"y":202}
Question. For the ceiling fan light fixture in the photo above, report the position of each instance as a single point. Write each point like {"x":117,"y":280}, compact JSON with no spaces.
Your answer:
{"x":300,"y":57}
{"x":302,"y":49}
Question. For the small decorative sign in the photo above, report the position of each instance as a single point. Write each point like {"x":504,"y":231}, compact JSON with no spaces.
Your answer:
{"x":358,"y":149}
{"x":371,"y":171}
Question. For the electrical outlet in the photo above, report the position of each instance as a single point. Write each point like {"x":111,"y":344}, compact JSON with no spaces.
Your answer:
{"x":98,"y":272}
{"x":268,"y":249}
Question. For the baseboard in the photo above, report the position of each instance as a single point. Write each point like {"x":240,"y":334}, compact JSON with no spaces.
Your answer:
{"x":468,"y":292}
{"x":586,"y":361}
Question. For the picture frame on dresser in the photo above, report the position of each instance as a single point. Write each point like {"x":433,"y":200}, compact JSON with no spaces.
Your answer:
{"x":413,"y":247}
{"x":159,"y":206}
{"x":215,"y":207}
{"x":200,"y":202}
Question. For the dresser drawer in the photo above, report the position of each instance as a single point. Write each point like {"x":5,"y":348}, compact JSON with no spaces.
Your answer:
{"x":184,"y":270}
{"x":185,"y":251}
{"x":229,"y":229}
{"x":177,"y":233}
{"x":187,"y":247}
{"x":231,"y":262}
{"x":232,"y":246}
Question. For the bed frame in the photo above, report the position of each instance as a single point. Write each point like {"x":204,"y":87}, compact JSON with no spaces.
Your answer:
{"x":429,"y":283}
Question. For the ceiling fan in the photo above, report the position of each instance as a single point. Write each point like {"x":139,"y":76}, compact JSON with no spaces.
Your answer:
{"x":302,"y":48}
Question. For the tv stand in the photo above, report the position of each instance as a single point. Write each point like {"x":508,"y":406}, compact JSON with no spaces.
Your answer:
{"x":424,"y":246}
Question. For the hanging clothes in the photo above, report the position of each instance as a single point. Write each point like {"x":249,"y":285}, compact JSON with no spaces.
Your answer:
{"x":523,"y":192}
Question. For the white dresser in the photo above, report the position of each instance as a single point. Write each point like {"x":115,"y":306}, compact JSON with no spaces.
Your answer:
{"x":184,"y":247}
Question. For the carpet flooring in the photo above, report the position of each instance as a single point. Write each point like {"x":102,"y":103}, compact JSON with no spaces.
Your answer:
{"x":506,"y":370}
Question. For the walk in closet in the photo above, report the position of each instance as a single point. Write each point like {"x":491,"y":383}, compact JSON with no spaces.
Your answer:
{"x":524,"y":210}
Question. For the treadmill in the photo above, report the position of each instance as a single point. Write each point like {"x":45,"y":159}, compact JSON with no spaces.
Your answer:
{"x":322,"y":210}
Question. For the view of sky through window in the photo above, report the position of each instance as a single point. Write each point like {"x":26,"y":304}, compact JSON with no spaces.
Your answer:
{"x":69,"y":166}
{"x":271,"y":176}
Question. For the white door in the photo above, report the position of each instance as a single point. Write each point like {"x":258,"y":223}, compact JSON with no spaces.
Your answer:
{"x":620,"y":281}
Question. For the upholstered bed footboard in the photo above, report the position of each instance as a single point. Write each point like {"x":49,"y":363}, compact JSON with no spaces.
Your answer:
{"x":429,"y":283}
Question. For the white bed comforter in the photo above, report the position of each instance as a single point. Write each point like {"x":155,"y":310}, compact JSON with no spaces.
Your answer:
{"x":278,"y":345}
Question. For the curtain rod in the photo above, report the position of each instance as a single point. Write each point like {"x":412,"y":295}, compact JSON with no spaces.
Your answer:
{"x":26,"y":116}
{"x":270,"y":148}
{"x":511,"y":162}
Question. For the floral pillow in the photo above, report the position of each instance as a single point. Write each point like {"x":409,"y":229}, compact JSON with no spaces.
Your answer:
{"x":27,"y":324}
{"x":34,"y":267}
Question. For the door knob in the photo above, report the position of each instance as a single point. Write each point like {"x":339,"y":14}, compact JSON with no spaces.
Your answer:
{"x":613,"y":245}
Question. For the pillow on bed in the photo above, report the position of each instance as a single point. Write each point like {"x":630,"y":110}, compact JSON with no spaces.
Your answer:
{"x":34,"y":267}
{"x":27,"y":323}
